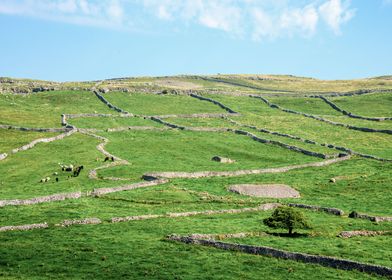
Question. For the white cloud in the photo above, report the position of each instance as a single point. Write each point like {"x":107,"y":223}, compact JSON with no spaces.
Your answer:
{"x":335,"y":13}
{"x":105,"y":13}
{"x":257,"y":19}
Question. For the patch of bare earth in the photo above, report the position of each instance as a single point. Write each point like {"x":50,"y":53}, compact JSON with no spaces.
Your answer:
{"x":266,"y":190}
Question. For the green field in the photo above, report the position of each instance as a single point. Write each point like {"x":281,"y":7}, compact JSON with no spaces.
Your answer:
{"x":139,"y":248}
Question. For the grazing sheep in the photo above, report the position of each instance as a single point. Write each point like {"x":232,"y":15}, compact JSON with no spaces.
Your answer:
{"x":44,"y":180}
{"x":77,"y":171}
{"x":109,"y":158}
{"x":69,"y":168}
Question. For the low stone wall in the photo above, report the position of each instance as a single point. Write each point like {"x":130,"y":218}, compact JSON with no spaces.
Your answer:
{"x":3,"y":156}
{"x":262,"y":207}
{"x":349,"y":234}
{"x":24,"y":227}
{"x":102,"y":191}
{"x":333,"y":211}
{"x":376,"y":219}
{"x":283,"y":145}
{"x":125,"y":128}
{"x":42,"y":199}
{"x":86,"y":221}
{"x":13,"y":127}
{"x":203,"y":174}
{"x":363,"y":129}
{"x":282,"y":254}
{"x":44,"y":140}
{"x":110,"y":105}
{"x":200,"y":116}
{"x":213,"y":101}
{"x":171,"y":125}
{"x":351,"y":115}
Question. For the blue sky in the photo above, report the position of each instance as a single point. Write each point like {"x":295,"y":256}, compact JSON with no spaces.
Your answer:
{"x":88,"y":40}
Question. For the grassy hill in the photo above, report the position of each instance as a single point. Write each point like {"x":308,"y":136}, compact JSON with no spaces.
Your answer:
{"x":146,"y":146}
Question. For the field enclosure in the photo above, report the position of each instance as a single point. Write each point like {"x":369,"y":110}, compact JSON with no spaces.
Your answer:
{"x":159,"y":156}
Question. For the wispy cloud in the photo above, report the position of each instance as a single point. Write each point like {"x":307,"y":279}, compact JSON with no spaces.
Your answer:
{"x":105,"y":13}
{"x":256,"y":19}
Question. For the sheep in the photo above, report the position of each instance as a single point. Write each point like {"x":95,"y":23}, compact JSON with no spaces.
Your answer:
{"x":109,"y":158}
{"x":77,"y":171}
{"x":44,"y":180}
{"x":67,"y":168}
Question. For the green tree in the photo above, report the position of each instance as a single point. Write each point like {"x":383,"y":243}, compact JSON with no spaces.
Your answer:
{"x":288,"y":218}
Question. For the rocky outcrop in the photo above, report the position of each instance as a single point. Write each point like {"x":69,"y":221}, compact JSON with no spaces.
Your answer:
{"x":203,"y":174}
{"x":333,"y":211}
{"x":42,"y":199}
{"x":282,"y":254}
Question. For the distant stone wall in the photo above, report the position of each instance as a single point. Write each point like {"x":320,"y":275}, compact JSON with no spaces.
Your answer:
{"x":363,"y":129}
{"x":213,"y":101}
{"x":110,"y":105}
{"x":14,"y":127}
{"x":102,"y":191}
{"x":284,"y":145}
{"x":282,"y":254}
{"x":203,"y":174}
{"x":86,"y":221}
{"x":42,"y":199}
{"x":262,"y":207}
{"x":333,"y":211}
{"x":44,"y":140}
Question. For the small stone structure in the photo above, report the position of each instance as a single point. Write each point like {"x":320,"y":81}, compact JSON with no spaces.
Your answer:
{"x":222,"y":159}
{"x":267,"y":190}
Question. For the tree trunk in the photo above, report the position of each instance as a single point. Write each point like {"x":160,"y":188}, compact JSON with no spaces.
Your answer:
{"x":290,"y":230}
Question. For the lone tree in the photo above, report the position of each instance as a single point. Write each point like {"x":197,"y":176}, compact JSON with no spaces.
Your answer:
{"x":288,"y":218}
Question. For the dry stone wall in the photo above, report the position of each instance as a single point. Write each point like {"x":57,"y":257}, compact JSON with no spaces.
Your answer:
{"x":349,"y":114}
{"x":213,"y":101}
{"x":13,"y":127}
{"x":203,"y":174}
{"x":363,"y":129}
{"x":110,"y":105}
{"x":102,"y":191}
{"x":333,"y":211}
{"x":44,"y":140}
{"x":42,"y":199}
{"x":367,"y":233}
{"x":24,"y":227}
{"x":282,"y":254}
{"x":262,"y":207}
